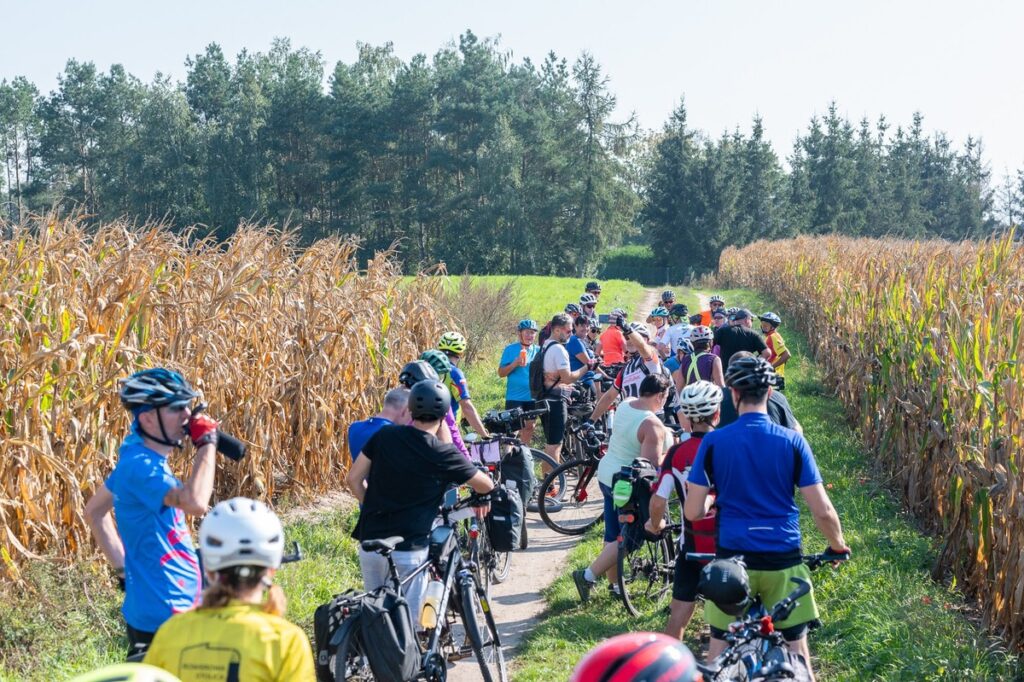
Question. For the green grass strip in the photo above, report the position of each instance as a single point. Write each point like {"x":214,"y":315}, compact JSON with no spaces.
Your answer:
{"x":884,"y":618}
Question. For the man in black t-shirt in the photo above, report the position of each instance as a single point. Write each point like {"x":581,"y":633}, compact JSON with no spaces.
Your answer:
{"x":779,"y":410}
{"x":738,"y":335}
{"x":401,"y":480}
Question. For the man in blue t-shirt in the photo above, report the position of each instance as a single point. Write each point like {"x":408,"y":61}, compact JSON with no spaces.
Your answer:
{"x":394,"y":411}
{"x":514,"y":366}
{"x":150,"y":546}
{"x":755,"y":466}
{"x":580,"y":354}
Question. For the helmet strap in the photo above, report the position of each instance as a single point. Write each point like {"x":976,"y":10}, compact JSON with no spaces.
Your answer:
{"x":166,"y":439}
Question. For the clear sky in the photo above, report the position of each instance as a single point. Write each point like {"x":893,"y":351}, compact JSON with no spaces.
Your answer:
{"x":950,"y":59}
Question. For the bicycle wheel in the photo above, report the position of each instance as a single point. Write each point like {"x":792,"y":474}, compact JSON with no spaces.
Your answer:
{"x":581,"y":504}
{"x":355,"y":666}
{"x":478,"y":620}
{"x":645,"y":575}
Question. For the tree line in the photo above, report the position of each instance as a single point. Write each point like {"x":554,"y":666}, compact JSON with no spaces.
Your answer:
{"x":466,"y":157}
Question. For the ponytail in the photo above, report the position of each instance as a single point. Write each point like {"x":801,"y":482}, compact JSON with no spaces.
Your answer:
{"x":228,"y":584}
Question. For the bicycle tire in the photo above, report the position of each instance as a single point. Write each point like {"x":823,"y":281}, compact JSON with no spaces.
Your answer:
{"x":478,"y":620}
{"x":645,"y":575}
{"x":498,"y":564}
{"x":580,"y":497}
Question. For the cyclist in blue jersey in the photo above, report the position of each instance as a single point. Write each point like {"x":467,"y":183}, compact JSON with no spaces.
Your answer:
{"x":453,"y":344}
{"x":580,"y":354}
{"x":394,"y":411}
{"x":515,"y":367}
{"x":150,"y":546}
{"x":756,"y":466}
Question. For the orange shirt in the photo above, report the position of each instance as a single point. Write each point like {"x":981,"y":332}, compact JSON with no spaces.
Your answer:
{"x":613,"y":345}
{"x":705,"y":318}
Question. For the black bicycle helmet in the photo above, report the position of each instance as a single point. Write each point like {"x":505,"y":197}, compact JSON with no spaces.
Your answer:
{"x":749,"y":374}
{"x":573,"y":308}
{"x":592,"y":287}
{"x":771,"y":318}
{"x":155,"y":388}
{"x":429,"y":400}
{"x":679,"y":310}
{"x":417,"y":371}
{"x":668,"y":295}
{"x":725,"y":582}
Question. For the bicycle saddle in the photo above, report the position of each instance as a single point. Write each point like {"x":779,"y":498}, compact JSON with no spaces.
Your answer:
{"x":381,"y":545}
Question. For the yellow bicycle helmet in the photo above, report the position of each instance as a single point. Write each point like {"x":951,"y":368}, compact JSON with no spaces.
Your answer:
{"x":452,"y":342}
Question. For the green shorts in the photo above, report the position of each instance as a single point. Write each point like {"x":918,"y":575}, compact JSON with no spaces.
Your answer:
{"x":773,"y":586}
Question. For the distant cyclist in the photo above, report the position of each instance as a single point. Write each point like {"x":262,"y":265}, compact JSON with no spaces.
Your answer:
{"x":453,"y":344}
{"x":613,"y":343}
{"x":571,"y":309}
{"x":668,"y":299}
{"x":779,"y":353}
{"x":514,"y":367}
{"x":642,"y":362}
{"x":434,"y":365}
{"x":679,"y":326}
{"x":739,"y":336}
{"x":150,"y":547}
{"x":593,"y":288}
{"x":716,"y":302}
{"x":588,"y":305}
{"x":659,"y":318}
{"x":239,"y":631}
{"x":580,"y":354}
{"x":701,"y":365}
{"x":699,"y":403}
{"x":756,"y":467}
{"x":558,"y":379}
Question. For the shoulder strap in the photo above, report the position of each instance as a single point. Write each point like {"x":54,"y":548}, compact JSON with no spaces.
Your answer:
{"x":543,"y":352}
{"x":693,"y":369}
{"x":709,"y":464}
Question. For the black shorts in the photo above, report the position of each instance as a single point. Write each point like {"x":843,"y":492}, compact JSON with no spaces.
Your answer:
{"x":554,"y":421}
{"x":524,"y":405}
{"x":780,"y":383}
{"x":684,"y":582}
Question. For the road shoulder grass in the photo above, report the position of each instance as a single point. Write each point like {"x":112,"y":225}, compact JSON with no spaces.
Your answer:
{"x":884,"y":618}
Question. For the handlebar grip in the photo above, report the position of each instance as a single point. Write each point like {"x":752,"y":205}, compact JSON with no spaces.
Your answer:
{"x":230,"y":447}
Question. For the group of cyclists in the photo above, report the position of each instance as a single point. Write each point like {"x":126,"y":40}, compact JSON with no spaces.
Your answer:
{"x":698,"y":396}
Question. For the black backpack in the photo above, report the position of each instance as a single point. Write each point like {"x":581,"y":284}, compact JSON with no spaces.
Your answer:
{"x":538,"y":391}
{"x":643,"y":477}
{"x":505,"y":522}
{"x":335,"y":632}
{"x":388,"y":636}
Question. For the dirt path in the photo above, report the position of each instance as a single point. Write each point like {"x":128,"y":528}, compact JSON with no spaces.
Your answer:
{"x":651,"y":300}
{"x":518,"y":602}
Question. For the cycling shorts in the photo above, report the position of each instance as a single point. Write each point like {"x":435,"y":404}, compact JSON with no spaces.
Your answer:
{"x":773,"y":586}
{"x":685,"y":579}
{"x":554,"y":421}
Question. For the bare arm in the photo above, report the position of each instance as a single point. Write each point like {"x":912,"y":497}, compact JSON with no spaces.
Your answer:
{"x":782,"y":359}
{"x":717,"y":377}
{"x":193,"y":497}
{"x":695,"y":507}
{"x":505,"y":370}
{"x":101,"y":522}
{"x":606,"y":401}
{"x":481,"y":483}
{"x":643,"y":347}
{"x":766,"y":353}
{"x":825,"y":516}
{"x":472,"y":416}
{"x":677,"y":379}
{"x":357,"y":475}
{"x":656,"y":522}
{"x":651,"y":435}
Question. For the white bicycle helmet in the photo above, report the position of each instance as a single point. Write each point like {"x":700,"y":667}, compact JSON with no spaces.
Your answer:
{"x":241,"y":532}
{"x":699,"y":399}
{"x":701,"y":333}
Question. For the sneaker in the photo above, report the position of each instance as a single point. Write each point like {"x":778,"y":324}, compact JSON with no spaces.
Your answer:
{"x":614,"y":591}
{"x":583,"y":586}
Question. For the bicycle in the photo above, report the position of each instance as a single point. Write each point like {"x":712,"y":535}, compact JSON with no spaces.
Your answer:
{"x":574,"y":486}
{"x":646,"y":564}
{"x":504,"y":425}
{"x":755,"y":649}
{"x":470,"y":606}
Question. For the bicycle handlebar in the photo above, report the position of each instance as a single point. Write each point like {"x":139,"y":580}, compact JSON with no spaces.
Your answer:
{"x":813,"y":561}
{"x":293,"y":556}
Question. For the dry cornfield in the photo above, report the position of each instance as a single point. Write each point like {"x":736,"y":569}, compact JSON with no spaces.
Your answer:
{"x":922,"y":342}
{"x":288,"y":346}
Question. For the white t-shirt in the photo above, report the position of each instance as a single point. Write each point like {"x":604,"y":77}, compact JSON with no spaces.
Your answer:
{"x":675,"y":333}
{"x":555,"y":359}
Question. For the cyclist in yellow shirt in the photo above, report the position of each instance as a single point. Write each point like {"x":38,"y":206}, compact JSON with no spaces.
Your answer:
{"x":239,"y":632}
{"x":773,"y":339}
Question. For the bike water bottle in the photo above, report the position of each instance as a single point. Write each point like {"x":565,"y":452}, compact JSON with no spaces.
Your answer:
{"x":522,"y":356}
{"x":431,"y":605}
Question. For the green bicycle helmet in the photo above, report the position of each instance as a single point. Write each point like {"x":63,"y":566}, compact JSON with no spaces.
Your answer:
{"x":452,"y":342}
{"x":438,"y":360}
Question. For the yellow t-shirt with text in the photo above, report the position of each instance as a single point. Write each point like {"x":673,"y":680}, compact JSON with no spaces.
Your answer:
{"x":777,"y":346}
{"x":235,"y":643}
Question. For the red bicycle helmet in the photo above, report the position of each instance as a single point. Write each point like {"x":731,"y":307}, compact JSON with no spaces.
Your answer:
{"x":638,"y":656}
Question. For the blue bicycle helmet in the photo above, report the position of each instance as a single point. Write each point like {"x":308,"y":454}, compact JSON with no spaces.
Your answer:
{"x":527,"y":324}
{"x":155,"y":388}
